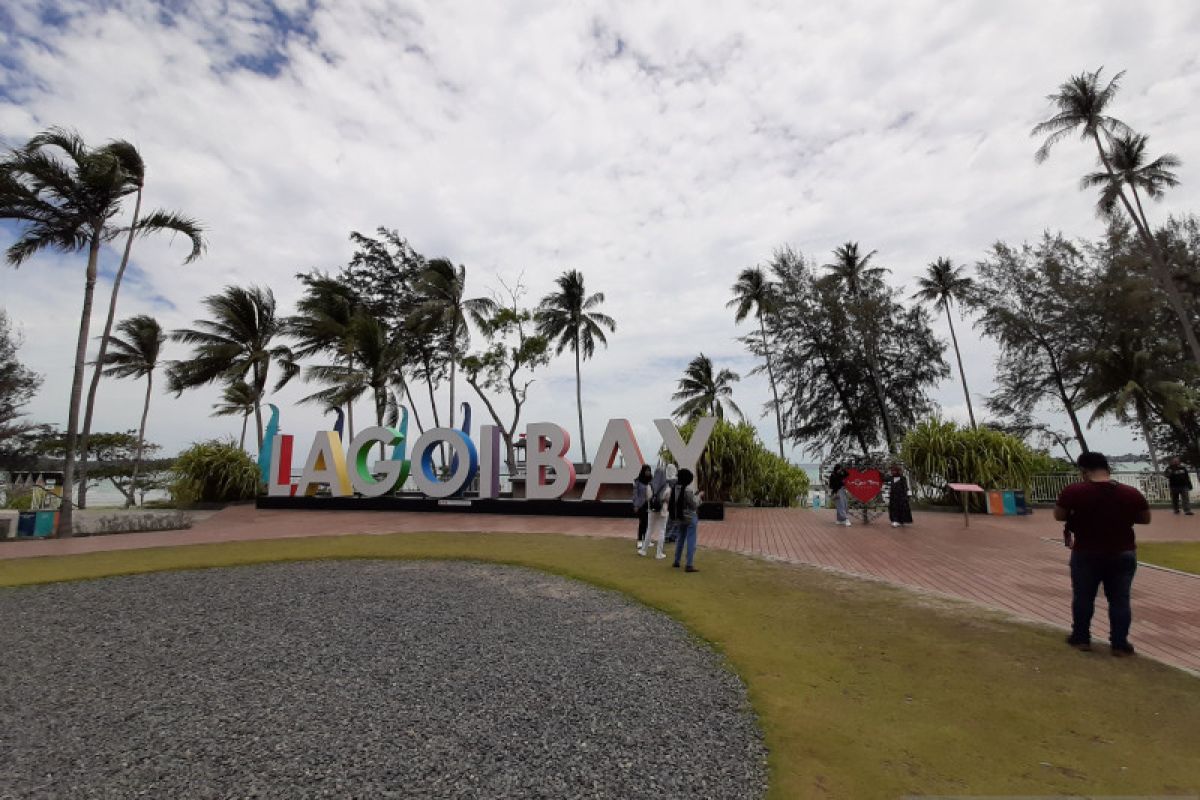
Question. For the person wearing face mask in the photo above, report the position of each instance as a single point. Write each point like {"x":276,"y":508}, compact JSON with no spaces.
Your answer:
{"x":641,"y":504}
{"x":660,"y":491}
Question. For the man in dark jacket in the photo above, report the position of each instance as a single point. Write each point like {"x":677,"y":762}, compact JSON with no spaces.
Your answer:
{"x":1181,"y":486}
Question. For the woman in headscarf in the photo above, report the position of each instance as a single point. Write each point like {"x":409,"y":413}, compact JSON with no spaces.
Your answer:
{"x":899,"y":510}
{"x":641,"y":504}
{"x":660,"y":491}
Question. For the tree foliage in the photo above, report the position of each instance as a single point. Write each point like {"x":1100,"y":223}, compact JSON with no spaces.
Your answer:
{"x":18,"y":385}
{"x":829,"y":394}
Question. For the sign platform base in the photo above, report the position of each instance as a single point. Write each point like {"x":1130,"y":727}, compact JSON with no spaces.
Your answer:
{"x":471,"y":505}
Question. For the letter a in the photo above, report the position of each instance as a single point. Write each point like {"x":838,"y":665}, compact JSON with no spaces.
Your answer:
{"x":618,"y":438}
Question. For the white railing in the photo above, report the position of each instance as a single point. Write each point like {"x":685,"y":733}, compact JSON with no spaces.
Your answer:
{"x":1045,"y":488}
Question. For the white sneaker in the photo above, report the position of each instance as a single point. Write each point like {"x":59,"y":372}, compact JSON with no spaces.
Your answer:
{"x":641,"y":551}
{"x":895,"y":524}
{"x":845,"y":523}
{"x":661,"y":554}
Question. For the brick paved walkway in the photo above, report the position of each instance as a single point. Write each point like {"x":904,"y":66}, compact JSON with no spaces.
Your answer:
{"x":1015,"y":565}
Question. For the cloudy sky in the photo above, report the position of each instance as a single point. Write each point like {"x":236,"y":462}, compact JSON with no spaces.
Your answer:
{"x":657,"y":147}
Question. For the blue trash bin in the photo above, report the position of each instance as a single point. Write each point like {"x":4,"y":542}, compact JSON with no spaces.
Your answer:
{"x":1010,"y":503}
{"x":1022,"y":506}
{"x":26,"y":523}
{"x":46,"y":522}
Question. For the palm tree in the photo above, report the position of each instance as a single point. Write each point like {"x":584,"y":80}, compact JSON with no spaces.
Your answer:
{"x":237,"y":399}
{"x":1127,"y":159}
{"x":569,"y":318}
{"x":377,"y":360}
{"x":63,"y":194}
{"x":942,"y":284}
{"x":1124,"y":382}
{"x":856,"y":272}
{"x":235,"y":342}
{"x":322,"y":324}
{"x":445,"y":309}
{"x":704,"y":392}
{"x":155,"y":222}
{"x":1081,"y":103}
{"x":754,"y":293}
{"x":134,"y":354}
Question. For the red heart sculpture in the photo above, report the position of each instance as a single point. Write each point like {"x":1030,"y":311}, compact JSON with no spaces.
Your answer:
{"x":864,"y":485}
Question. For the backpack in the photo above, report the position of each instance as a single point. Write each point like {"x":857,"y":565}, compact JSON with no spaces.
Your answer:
{"x":656,"y":504}
{"x":676,"y":505}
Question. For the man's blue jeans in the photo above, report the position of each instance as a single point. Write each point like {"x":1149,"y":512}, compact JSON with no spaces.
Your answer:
{"x":843,"y":505}
{"x":686,"y":533}
{"x":1115,"y":572}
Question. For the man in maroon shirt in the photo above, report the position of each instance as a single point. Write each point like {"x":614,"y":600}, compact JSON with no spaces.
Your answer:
{"x":1100,"y":514}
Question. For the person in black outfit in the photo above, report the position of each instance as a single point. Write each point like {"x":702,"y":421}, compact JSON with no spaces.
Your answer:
{"x":641,"y":503}
{"x":899,"y":509}
{"x":1181,"y":486}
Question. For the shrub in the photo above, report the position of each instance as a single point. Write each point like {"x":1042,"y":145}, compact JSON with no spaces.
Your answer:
{"x":938,"y":452}
{"x":736,"y":467}
{"x":215,"y":471}
{"x":20,"y":501}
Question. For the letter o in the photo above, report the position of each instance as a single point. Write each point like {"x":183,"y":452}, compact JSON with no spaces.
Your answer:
{"x":426,"y":477}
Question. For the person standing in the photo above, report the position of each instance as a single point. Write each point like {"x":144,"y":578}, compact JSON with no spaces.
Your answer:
{"x":1100,"y":514}
{"x":899,"y":509}
{"x":660,"y":491}
{"x":837,"y":487}
{"x":1180,"y":483}
{"x":687,"y":511}
{"x":641,"y":504}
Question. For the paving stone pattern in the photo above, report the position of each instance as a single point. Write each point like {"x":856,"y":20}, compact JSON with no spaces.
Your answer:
{"x":363,"y":679}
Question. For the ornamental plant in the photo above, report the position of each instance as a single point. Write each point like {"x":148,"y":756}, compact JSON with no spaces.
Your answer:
{"x":938,"y":452}
{"x":216,"y":471}
{"x":736,"y":467}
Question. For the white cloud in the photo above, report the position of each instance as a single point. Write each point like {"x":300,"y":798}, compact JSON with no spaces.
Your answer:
{"x":659,"y":148}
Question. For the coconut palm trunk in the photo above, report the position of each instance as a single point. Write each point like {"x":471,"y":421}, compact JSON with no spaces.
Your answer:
{"x":771,"y":377}
{"x":958,"y":355}
{"x":89,"y":408}
{"x":245,"y":422}
{"x":1162,"y":272}
{"x":579,"y":403}
{"x":137,"y":458}
{"x":100,"y":356}
{"x":1148,"y":434}
{"x":260,"y":382}
{"x":66,"y":517}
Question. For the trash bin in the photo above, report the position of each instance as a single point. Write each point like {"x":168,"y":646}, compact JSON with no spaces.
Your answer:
{"x":996,"y":503}
{"x":45,"y":524}
{"x":1022,"y":506}
{"x":8,"y":523}
{"x":1010,"y":502}
{"x":26,"y":523}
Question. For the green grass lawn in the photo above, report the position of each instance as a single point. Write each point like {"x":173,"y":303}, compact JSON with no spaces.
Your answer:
{"x":1183,"y":556}
{"x":863,"y":690}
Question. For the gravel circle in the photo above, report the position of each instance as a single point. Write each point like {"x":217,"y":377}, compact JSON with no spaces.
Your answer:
{"x":363,"y":679}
